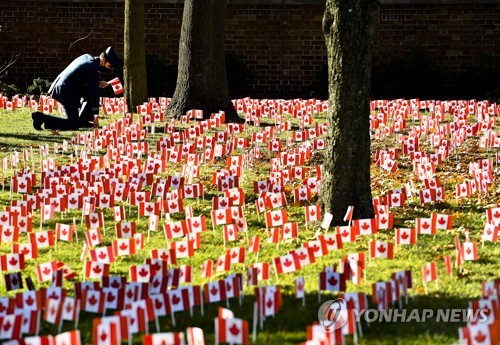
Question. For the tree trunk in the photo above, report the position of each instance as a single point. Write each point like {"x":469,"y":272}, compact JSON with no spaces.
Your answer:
{"x":201,"y":77}
{"x":348,"y":28}
{"x":134,"y":73}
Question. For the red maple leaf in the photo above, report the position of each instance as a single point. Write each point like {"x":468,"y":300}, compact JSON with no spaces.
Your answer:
{"x":381,"y":248}
{"x":332,"y":281}
{"x":143,"y":272}
{"x":92,"y":300}
{"x":234,"y":330}
{"x":480,"y":337}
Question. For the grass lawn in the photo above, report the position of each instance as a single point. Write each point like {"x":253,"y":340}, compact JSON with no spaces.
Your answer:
{"x":290,"y":323}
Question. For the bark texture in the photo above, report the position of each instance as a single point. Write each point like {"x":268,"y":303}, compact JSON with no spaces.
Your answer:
{"x":134,"y":73}
{"x":201,"y":76}
{"x":348,"y":27}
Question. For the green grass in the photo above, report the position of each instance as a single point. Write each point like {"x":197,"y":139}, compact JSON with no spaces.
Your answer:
{"x":289,"y":326}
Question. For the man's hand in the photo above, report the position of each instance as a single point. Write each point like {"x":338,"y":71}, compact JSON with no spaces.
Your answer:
{"x":103,"y":84}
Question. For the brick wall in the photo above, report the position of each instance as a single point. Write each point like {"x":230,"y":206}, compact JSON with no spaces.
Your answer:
{"x":282,"y":45}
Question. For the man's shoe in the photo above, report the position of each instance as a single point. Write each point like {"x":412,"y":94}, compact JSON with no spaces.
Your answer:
{"x":37,"y":120}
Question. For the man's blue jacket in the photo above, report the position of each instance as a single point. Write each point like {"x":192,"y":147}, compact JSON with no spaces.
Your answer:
{"x":79,"y":79}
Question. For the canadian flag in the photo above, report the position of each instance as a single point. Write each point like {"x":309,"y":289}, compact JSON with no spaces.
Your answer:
{"x":170,"y":338}
{"x":119,"y":213}
{"x":196,"y":224}
{"x":45,"y":271}
{"x":95,"y":270}
{"x":269,"y":300}
{"x":13,"y":281}
{"x":262,"y":271}
{"x":120,"y":323}
{"x":9,"y":234}
{"x":116,"y":85}
{"x":106,"y":333}
{"x":70,"y":308}
{"x":318,"y":247}
{"x":330,"y":280}
{"x":365,"y":226}
{"x":305,"y":255}
{"x":47,"y":212}
{"x":490,"y":232}
{"x":347,"y":233}
{"x":12,"y":262}
{"x":230,"y":232}
{"x":123,"y":246}
{"x":68,"y":338}
{"x":406,"y":236}
{"x":93,"y":237}
{"x":94,"y":220}
{"x":429,"y":272}
{"x":381,"y":249}
{"x":30,"y":322}
{"x":29,"y":300}
{"x":140,"y":273}
{"x":384,"y":221}
{"x":178,"y":299}
{"x":231,"y":331}
{"x":195,"y":336}
{"x":276,"y":218}
{"x":312,"y":213}
{"x":93,"y":301}
{"x":290,"y":230}
{"x":316,"y":335}
{"x":207,"y":268}
{"x":286,"y":264}
{"x":331,"y":242}
{"x":493,"y":215}
{"x":175,"y":229}
{"x":125,"y":229}
{"x":382,"y":294}
{"x":102,"y":254}
{"x":479,"y":334}
{"x":42,"y":239}
{"x":52,"y":311}
{"x":64,"y":232}
{"x":11,"y":326}
{"x":173,"y":206}
{"x":442,"y":221}
{"x":149,"y":208}
{"x":183,"y":249}
{"x":425,"y":226}
{"x":300,"y":288}
{"x":167,"y":255}
{"x":215,"y":291}
{"x":221,"y":216}
{"x":469,"y":250}
{"x":254,"y":244}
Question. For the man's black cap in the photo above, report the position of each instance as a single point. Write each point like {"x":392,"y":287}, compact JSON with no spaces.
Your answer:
{"x":111,"y":57}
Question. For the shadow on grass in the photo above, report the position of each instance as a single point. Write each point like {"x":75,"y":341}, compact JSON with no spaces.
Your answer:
{"x":42,"y":136}
{"x":298,"y":317}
